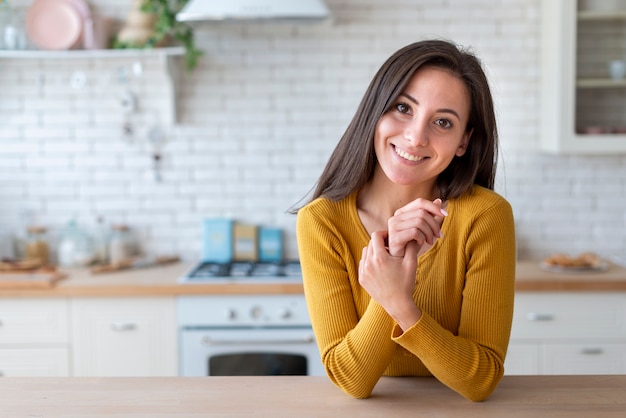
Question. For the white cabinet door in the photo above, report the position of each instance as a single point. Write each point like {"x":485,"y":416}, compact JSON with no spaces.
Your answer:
{"x":568,"y":333}
{"x":33,"y":321}
{"x":584,"y":358}
{"x":522,"y":359}
{"x":34,"y":337}
{"x":124,"y":337}
{"x":34,"y":362}
{"x":581,"y":107}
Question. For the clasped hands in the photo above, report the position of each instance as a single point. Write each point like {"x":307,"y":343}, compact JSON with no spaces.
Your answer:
{"x":389,"y":262}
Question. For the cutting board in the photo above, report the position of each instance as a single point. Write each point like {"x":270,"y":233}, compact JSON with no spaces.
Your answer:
{"x":30,"y":280}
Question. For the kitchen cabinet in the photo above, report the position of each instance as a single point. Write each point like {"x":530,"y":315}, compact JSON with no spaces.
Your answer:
{"x":582,"y":107}
{"x":34,"y":337}
{"x":124,"y":336}
{"x":165,"y":56}
{"x":568,"y":333}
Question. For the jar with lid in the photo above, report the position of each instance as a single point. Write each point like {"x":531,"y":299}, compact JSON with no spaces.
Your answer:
{"x":37,"y":244}
{"x":121,"y":246}
{"x":76,"y":247}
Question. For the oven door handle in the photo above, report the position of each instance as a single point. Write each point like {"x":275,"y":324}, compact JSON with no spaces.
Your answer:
{"x":206,"y":340}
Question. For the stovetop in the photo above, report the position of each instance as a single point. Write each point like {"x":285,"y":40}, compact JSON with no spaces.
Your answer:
{"x":210,"y":272}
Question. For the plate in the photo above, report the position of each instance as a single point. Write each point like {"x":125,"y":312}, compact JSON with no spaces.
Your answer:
{"x":53,"y":24}
{"x":602,"y":265}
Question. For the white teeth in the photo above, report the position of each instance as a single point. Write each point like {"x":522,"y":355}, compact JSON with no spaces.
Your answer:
{"x":408,"y":156}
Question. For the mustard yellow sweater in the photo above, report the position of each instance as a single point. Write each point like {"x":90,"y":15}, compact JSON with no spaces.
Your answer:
{"x":465,"y":289}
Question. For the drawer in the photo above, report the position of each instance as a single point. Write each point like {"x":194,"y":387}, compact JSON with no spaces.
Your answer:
{"x":552,"y":315}
{"x":584,"y":358}
{"x":34,"y":362}
{"x":25,"y":321}
{"x":522,"y":359}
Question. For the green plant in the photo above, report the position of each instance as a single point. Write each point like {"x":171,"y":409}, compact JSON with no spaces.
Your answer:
{"x":166,"y":26}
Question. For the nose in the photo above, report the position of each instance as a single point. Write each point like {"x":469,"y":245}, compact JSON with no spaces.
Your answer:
{"x":416,"y":133}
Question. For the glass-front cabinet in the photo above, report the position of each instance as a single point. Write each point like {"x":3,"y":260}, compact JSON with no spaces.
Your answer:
{"x":583,"y":85}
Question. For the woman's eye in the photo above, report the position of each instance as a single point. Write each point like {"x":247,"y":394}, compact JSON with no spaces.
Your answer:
{"x":403,"y":108}
{"x":443,"y":123}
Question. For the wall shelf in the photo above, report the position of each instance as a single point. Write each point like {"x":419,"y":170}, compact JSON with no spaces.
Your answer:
{"x":600,"y":83}
{"x":164,"y":55}
{"x":92,"y":53}
{"x":603,"y":16}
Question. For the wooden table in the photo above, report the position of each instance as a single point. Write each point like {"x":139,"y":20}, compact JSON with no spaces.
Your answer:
{"x":306,"y":396}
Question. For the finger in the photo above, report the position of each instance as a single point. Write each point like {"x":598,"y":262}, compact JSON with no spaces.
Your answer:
{"x":434,"y":207}
{"x":405,"y":227}
{"x":379,"y":240}
{"x":410,"y":257}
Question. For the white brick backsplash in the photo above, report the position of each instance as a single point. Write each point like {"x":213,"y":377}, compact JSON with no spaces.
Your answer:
{"x":262,"y":113}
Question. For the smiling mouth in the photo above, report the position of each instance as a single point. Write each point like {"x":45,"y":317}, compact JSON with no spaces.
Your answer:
{"x":408,"y":156}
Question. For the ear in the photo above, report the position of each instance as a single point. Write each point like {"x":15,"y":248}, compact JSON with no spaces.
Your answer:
{"x":464,"y":143}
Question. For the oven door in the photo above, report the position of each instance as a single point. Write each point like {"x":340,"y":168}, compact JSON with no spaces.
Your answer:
{"x":249,"y":352}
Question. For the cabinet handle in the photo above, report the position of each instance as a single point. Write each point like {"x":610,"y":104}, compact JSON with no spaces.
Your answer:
{"x":592,"y":351}
{"x":123,"y":326}
{"x":533,"y":316}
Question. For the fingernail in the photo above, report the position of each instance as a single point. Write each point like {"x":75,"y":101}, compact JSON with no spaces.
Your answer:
{"x":444,"y":212}
{"x":440,"y":234}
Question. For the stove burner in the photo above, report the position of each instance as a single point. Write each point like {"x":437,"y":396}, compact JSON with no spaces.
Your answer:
{"x":208,"y":271}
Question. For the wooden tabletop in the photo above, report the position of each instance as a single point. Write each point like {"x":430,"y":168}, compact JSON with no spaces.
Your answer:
{"x":306,"y":396}
{"x":164,"y":281}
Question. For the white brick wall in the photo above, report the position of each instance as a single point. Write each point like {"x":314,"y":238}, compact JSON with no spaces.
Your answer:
{"x":261,"y":114}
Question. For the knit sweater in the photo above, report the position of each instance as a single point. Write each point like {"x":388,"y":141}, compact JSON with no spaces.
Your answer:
{"x":464,"y":288}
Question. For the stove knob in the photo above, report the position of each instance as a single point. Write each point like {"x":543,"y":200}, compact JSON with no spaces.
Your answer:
{"x":230,"y":313}
{"x":284,"y":313}
{"x":256,"y":312}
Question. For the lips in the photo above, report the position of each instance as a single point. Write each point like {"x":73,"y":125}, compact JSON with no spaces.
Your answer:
{"x":407,"y":156}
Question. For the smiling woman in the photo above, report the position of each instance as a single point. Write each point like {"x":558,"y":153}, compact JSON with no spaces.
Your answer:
{"x":407,"y":253}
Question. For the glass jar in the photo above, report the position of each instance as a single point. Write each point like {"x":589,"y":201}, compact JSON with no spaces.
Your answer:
{"x":76,"y":247}
{"x":37,"y":244}
{"x":120,"y":244}
{"x":101,"y":235}
{"x":12,"y":28}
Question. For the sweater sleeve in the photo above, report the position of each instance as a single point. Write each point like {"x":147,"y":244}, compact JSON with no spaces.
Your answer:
{"x":355,"y":349}
{"x":471,"y":361}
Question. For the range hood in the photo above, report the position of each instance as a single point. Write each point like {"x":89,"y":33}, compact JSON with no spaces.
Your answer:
{"x":220,"y":10}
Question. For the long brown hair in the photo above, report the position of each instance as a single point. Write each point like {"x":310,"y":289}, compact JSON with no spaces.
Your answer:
{"x":353,"y":161}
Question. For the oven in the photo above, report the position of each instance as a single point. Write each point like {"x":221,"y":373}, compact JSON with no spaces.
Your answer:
{"x":246,"y":335}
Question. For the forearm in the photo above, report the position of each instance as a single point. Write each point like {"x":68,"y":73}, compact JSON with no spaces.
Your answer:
{"x":462,"y":364}
{"x":357,"y":361}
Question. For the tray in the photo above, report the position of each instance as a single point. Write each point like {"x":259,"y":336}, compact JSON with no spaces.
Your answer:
{"x":30,"y":280}
{"x":555,"y":268}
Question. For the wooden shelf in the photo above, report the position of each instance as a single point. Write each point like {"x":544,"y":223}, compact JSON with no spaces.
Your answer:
{"x":588,"y":15}
{"x":90,"y":54}
{"x":600,"y":83}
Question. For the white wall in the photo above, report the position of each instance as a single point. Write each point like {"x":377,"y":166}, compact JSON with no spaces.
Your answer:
{"x":261,"y":114}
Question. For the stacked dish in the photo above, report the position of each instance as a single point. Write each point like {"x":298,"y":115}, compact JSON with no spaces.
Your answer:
{"x":59,"y":24}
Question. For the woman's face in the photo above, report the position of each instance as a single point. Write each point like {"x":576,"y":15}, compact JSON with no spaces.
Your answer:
{"x":425,"y":128}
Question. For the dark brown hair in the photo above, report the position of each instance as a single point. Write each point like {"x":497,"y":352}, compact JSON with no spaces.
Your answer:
{"x":353,"y":161}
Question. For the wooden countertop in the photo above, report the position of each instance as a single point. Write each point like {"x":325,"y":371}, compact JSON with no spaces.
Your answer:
{"x":531,"y":277}
{"x":306,"y":396}
{"x":154,"y":281}
{"x":163,"y":281}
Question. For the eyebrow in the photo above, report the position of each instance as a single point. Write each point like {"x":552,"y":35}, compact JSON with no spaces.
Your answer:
{"x":444,"y":110}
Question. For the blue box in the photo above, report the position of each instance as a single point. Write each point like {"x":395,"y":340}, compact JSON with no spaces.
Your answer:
{"x":217,"y":235}
{"x":270,"y":245}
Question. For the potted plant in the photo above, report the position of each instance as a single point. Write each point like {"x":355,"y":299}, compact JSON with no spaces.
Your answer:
{"x":160,"y":16}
